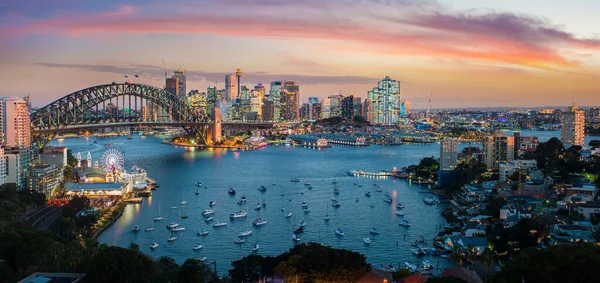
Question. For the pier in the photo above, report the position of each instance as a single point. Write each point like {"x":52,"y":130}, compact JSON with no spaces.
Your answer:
{"x":309,"y":141}
{"x":325,"y":140}
{"x":134,"y":200}
{"x":372,"y":174}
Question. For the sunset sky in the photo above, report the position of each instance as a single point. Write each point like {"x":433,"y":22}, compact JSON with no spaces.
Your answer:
{"x":468,"y":53}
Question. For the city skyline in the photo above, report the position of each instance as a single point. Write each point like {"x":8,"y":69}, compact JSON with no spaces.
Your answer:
{"x":520,"y":53}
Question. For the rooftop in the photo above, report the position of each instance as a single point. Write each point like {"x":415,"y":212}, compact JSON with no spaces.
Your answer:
{"x":92,"y":186}
{"x":43,"y":277}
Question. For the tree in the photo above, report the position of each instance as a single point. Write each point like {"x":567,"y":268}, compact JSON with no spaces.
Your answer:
{"x":71,"y":160}
{"x":168,"y":268}
{"x":134,"y":246}
{"x":401,"y":273}
{"x":562,"y":263}
{"x":494,"y":206}
{"x":449,"y":279}
{"x":191,"y":271}
{"x":115,"y":264}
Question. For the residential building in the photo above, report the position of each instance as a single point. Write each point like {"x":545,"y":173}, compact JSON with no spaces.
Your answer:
{"x":570,"y":234}
{"x":507,"y":169}
{"x":275,"y":96}
{"x":448,"y":153}
{"x":3,"y":167}
{"x":497,"y":149}
{"x":268,"y":110}
{"x":573,"y":126}
{"x":357,"y":106}
{"x":335,"y":105}
{"x":56,"y":155}
{"x":385,"y":100}
{"x":367,"y":109}
{"x":179,"y":74}
{"x":45,"y":178}
{"x":16,"y":125}
{"x":326,"y":108}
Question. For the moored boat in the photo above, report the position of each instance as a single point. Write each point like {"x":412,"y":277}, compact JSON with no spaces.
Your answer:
{"x":245,"y":233}
{"x":220,"y":224}
{"x":178,"y":229}
{"x":239,"y":240}
{"x":203,"y":233}
{"x":255,"y":247}
{"x":172,"y":239}
{"x":339,"y":232}
{"x":374,"y":231}
{"x":399,"y":212}
{"x":207,"y":212}
{"x":149,"y":229}
{"x":212,"y":203}
{"x":197,"y":247}
{"x":231,"y":191}
{"x":367,"y":241}
{"x":295,"y":237}
{"x":172,"y":225}
{"x":239,"y":214}
{"x":404,"y":223}
{"x":288,"y":215}
{"x":259,"y":222}
{"x":154,"y":245}
{"x":136,"y":228}
{"x":295,"y":180}
{"x":209,"y":219}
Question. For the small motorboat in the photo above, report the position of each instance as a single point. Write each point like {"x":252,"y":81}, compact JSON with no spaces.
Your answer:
{"x":288,"y":215}
{"x":262,"y":189}
{"x":172,"y":239}
{"x":399,"y":212}
{"x":220,"y":224}
{"x":239,"y":214}
{"x":326,"y":218}
{"x":306,"y":209}
{"x":173,"y":207}
{"x":178,"y":229}
{"x":417,"y":251}
{"x":231,"y":191}
{"x":245,"y":233}
{"x":307,"y":184}
{"x":374,"y":231}
{"x":198,"y":184}
{"x":149,"y":229}
{"x":184,"y":216}
{"x":282,"y":208}
{"x":154,"y":245}
{"x":172,"y":225}
{"x":367,"y":241}
{"x":399,"y":206}
{"x":136,"y":228}
{"x":207,"y":212}
{"x":197,"y":192}
{"x":201,"y":259}
{"x":239,"y":241}
{"x":295,"y":237}
{"x":372,"y":205}
{"x":212,"y":203}
{"x":335,"y":203}
{"x":411,"y":267}
{"x":243,"y":199}
{"x":255,"y":247}
{"x":295,"y":180}
{"x":426,"y":265}
{"x":203,"y":233}
{"x":197,"y":247}
{"x":404,"y":223}
{"x":336,"y":191}
{"x":258,"y":207}
{"x":259,"y":222}
{"x":339,"y":232}
{"x":158,"y":218}
{"x":303,"y":223}
{"x":430,"y":200}
{"x":388,"y":200}
{"x":300,"y":230}
{"x":209,"y":219}
{"x":368,"y":194}
{"x":304,"y":204}
{"x":264,"y":203}
{"x":183,"y":202}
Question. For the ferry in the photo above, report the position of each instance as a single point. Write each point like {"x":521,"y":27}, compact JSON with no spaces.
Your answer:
{"x":239,"y":214}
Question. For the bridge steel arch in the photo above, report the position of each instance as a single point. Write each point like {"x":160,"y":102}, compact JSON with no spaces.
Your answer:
{"x":71,"y":109}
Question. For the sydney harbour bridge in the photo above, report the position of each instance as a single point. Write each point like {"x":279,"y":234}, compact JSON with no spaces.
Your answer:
{"x":87,"y":109}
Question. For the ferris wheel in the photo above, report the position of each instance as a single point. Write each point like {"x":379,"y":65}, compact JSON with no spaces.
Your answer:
{"x":113,"y":160}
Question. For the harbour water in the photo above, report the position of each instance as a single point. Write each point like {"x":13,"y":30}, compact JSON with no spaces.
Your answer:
{"x":177,"y":170}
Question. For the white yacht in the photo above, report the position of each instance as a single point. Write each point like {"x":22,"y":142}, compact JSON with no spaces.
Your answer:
{"x":173,"y":225}
{"x":178,"y":229}
{"x":172,"y":239}
{"x":239,"y":214}
{"x":259,"y":222}
{"x":399,"y":212}
{"x":220,"y":224}
{"x":367,"y":241}
{"x":295,"y":237}
{"x":197,"y":247}
{"x":255,"y":247}
{"x":306,"y":209}
{"x":404,"y":223}
{"x":245,"y":233}
{"x":154,"y":245}
{"x":239,"y":241}
{"x":288,"y":215}
{"x":149,"y":229}
{"x":209,"y":219}
{"x":212,"y":203}
{"x":207,"y":212}
{"x":158,"y":218}
{"x":339,"y":232}
{"x":304,"y":204}
{"x":303,"y":223}
{"x":203,"y":233}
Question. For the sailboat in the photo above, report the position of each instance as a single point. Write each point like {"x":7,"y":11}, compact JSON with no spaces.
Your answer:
{"x":336,"y":190}
{"x":183,"y":202}
{"x":158,"y":218}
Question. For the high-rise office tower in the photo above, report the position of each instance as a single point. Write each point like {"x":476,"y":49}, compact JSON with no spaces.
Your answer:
{"x":573,"y":126}
{"x":357,"y":106}
{"x":290,"y":109}
{"x":326,"y":108}
{"x":367,"y":109}
{"x":179,"y":74}
{"x":498,"y":148}
{"x":448,"y":153}
{"x":275,"y":97}
{"x":404,"y":108}
{"x":231,"y":88}
{"x":16,"y":125}
{"x":172,"y":86}
{"x":385,"y":100}
{"x":347,"y":106}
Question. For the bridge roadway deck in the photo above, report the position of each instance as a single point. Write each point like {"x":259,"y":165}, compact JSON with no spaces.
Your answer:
{"x":79,"y":127}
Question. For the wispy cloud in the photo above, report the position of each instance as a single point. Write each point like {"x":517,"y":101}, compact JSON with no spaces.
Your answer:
{"x":156,"y":72}
{"x":396,"y":27}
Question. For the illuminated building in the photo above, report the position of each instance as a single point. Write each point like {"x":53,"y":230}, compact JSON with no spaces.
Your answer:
{"x":230,"y":88}
{"x":385,"y":101}
{"x":16,"y":127}
{"x":179,"y":74}
{"x":448,"y":153}
{"x":497,"y":149}
{"x":404,"y":108}
{"x":573,"y":126}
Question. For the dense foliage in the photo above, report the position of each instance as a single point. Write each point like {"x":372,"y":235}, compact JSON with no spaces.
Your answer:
{"x":563,"y":263}
{"x":310,"y":262}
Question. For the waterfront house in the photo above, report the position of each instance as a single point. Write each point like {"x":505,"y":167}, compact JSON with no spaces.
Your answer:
{"x":479,"y":244}
{"x":472,"y":193}
{"x":571,"y":233}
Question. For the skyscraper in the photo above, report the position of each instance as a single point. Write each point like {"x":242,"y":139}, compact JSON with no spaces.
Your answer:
{"x":448,"y":154}
{"x":290,"y":101}
{"x":179,"y":74}
{"x":16,"y":125}
{"x":498,"y":148}
{"x":385,"y":100}
{"x":172,"y":86}
{"x":230,"y":88}
{"x":275,"y":97}
{"x":573,"y":125}
{"x":404,"y":108}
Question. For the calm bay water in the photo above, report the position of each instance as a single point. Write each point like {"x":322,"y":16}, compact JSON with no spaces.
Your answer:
{"x":177,"y":170}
